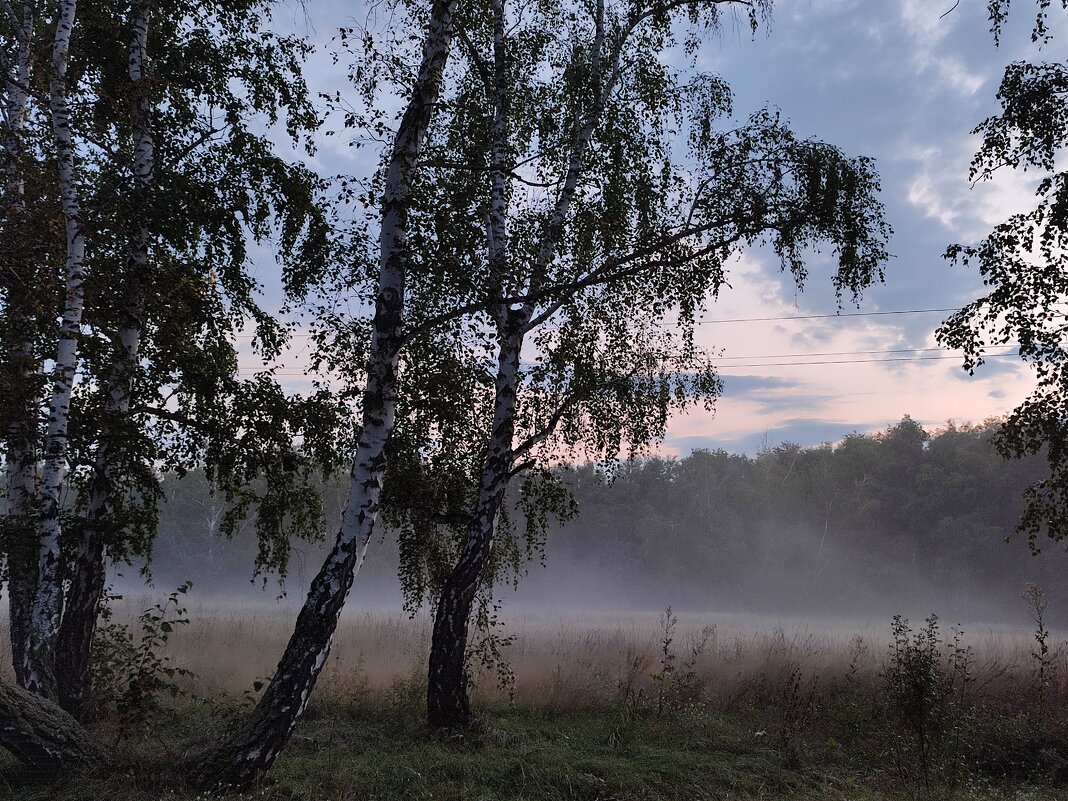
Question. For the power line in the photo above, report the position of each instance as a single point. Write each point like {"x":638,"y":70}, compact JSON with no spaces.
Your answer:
{"x":824,"y":316}
{"x":789,"y":355}
{"x":856,"y":361}
{"x":836,"y":353}
{"x":286,"y":374}
{"x":836,"y":316}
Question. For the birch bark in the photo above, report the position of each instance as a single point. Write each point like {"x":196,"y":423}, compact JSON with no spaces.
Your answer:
{"x":46,"y":606}
{"x":448,"y":705}
{"x":21,"y":435}
{"x":87,"y":572}
{"x":42,"y":736}
{"x":251,"y":751}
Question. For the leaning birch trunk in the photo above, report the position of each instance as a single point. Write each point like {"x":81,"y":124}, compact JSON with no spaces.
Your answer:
{"x":448,"y":706}
{"x":249,"y":753}
{"x":21,"y":435}
{"x":42,"y":736}
{"x":47,"y":604}
{"x":86,"y":580}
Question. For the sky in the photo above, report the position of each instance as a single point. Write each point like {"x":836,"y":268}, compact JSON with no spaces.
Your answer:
{"x":891,"y":79}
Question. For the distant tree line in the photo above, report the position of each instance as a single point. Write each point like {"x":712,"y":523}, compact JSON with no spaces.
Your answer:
{"x":901,"y":520}
{"x":878,"y":522}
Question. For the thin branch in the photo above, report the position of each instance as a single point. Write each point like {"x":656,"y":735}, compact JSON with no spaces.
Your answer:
{"x":196,"y":143}
{"x":547,"y":430}
{"x":519,"y":468}
{"x":535,"y":184}
{"x":13,"y":82}
{"x":509,"y":171}
{"x":477,"y":60}
{"x":950,"y":10}
{"x":167,"y":414}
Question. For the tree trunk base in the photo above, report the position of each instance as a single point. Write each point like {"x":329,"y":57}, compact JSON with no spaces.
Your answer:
{"x":241,"y":760}
{"x":448,"y":705}
{"x":42,"y":736}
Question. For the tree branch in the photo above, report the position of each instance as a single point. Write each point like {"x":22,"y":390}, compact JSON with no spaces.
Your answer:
{"x":601,"y":275}
{"x":16,"y":23}
{"x":477,"y":60}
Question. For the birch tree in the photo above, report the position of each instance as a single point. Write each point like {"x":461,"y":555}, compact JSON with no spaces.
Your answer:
{"x":27,"y":258}
{"x":47,"y":601}
{"x":164,"y":383}
{"x":179,"y":185}
{"x":578,"y":200}
{"x":251,"y":750}
{"x":1024,"y":269}
{"x":86,"y":574}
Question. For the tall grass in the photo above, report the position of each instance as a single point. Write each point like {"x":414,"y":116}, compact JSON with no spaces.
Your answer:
{"x":570,"y":662}
{"x":912,"y":710}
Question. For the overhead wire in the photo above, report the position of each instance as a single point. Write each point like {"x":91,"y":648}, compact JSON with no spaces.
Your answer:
{"x":916,"y":353}
{"x":837,"y":315}
{"x":854,"y":361}
{"x":288,"y":373}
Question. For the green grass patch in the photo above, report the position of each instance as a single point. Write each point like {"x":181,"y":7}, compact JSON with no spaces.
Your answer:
{"x":345,"y":752}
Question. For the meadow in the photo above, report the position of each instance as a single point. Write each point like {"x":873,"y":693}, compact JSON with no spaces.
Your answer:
{"x":603,"y":707}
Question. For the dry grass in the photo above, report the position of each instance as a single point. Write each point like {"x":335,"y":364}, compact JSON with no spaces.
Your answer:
{"x":568,"y":662}
{"x":765,"y":709}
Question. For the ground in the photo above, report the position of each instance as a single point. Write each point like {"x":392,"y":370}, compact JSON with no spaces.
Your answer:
{"x":345,"y":751}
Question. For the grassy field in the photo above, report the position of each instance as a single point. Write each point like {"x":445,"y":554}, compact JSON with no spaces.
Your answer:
{"x":603,"y":708}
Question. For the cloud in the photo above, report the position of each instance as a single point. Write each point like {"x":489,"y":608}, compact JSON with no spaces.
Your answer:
{"x":772,"y":395}
{"x":930,"y":27}
{"x":894,"y":82}
{"x":745,"y":384}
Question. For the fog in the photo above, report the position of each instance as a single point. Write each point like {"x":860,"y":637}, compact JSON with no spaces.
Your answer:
{"x":897,"y":523}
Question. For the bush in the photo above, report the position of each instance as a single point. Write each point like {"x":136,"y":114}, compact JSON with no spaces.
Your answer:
{"x":927,"y":682}
{"x":130,"y":675}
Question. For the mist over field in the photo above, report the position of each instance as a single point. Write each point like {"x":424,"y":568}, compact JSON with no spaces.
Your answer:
{"x":842,"y":536}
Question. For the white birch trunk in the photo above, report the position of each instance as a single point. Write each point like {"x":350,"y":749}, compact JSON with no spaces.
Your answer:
{"x":47,"y":604}
{"x":21,"y":435}
{"x":87,"y":578}
{"x":252,"y":750}
{"x":21,"y":458}
{"x":448,"y":705}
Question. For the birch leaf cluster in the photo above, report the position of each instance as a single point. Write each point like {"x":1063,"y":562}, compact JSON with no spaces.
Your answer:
{"x":1024,"y":268}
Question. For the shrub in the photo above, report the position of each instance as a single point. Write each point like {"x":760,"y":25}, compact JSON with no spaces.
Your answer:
{"x":926,"y":681}
{"x":130,"y":674}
